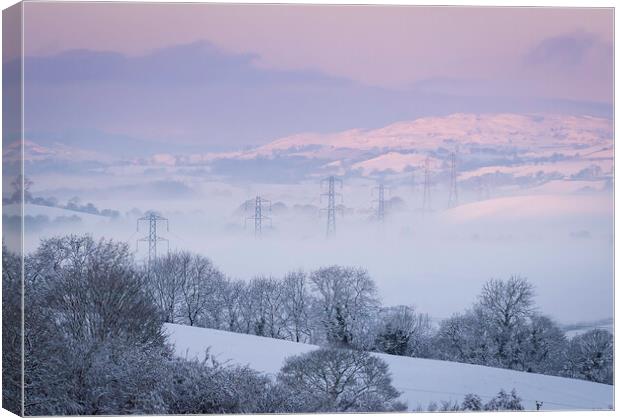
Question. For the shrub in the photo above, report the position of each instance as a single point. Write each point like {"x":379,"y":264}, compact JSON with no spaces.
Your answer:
{"x":338,"y":380}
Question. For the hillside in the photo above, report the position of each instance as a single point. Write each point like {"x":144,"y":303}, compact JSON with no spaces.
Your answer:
{"x":421,"y":381}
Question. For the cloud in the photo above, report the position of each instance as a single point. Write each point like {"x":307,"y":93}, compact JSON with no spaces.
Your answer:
{"x":570,"y":65}
{"x":567,"y":50}
{"x":197,"y":95}
{"x":198,"y":62}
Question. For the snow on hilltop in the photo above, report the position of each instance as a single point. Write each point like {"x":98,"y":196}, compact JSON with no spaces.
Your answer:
{"x":531,"y":140}
{"x":420,"y":380}
{"x":394,"y":161}
{"x":433,"y":132}
{"x":525,"y":145}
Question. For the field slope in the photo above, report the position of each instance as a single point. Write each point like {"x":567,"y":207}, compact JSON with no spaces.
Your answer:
{"x":421,"y":381}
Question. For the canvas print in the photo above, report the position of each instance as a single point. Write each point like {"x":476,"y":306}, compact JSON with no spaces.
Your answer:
{"x":298,"y":208}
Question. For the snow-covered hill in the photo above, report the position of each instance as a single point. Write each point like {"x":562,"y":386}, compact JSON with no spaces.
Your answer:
{"x":519,"y":149}
{"x":421,"y":381}
{"x":535,"y":206}
{"x":32,"y":152}
{"x":523,"y":149}
{"x":488,"y":130}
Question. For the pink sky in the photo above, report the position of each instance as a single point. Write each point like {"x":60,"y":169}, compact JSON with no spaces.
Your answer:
{"x":394,"y":46}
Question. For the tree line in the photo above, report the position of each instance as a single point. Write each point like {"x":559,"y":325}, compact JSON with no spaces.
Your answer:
{"x":93,"y":344}
{"x":93,"y":341}
{"x":339,"y":306}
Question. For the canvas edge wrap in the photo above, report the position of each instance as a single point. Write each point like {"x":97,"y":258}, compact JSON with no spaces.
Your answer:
{"x":13,"y":208}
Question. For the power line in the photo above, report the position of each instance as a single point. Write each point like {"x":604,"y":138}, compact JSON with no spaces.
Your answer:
{"x":331,"y":194}
{"x":259,"y":214}
{"x":453,"y":197}
{"x":405,"y":388}
{"x":426,"y":199}
{"x":381,"y":203}
{"x":152,"y":238}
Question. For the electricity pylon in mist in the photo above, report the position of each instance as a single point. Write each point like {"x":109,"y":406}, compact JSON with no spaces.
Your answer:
{"x":426,"y":198}
{"x":152,"y":238}
{"x":453,"y":197}
{"x":380,"y":201}
{"x":261,"y":207}
{"x":331,"y":194}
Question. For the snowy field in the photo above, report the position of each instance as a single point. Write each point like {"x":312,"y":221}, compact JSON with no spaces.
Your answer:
{"x":421,"y":381}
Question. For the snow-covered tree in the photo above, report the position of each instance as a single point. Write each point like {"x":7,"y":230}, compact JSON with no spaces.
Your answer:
{"x":463,"y":338}
{"x":264,"y":307}
{"x":505,"y":306}
{"x":504,"y":402}
{"x":188,"y":289}
{"x":403,"y":331}
{"x":472,"y":402}
{"x":93,"y":291}
{"x":232,"y":296}
{"x":338,"y":380}
{"x":297,"y":304}
{"x":93,"y":336}
{"x":590,"y":356}
{"x":11,"y":331}
{"x":346,"y":299}
{"x":543,"y":346}
{"x":503,"y":329}
{"x":165,"y":284}
{"x":202,"y":291}
{"x":207,"y":387}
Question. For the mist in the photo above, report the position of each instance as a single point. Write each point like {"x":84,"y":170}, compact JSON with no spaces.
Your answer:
{"x":437,"y":261}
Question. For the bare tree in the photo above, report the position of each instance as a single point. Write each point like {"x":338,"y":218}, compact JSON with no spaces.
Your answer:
{"x":297,"y":303}
{"x":232,"y":298}
{"x":202,"y":289}
{"x":265,"y":307}
{"x":165,"y":284}
{"x":187,"y":288}
{"x":336,"y":380}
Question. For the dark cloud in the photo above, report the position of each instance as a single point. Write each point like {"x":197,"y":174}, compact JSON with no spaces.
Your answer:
{"x":563,"y":51}
{"x":195,"y":63}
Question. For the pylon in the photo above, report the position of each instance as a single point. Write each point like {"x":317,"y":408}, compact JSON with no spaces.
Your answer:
{"x":152,"y":238}
{"x":259,"y":215}
{"x":331,"y":203}
{"x":453,"y":197}
{"x":426,"y":200}
{"x":381,"y":204}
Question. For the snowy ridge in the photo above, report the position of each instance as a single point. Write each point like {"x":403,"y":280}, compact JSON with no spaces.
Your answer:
{"x":531,"y":147}
{"x":421,"y":381}
{"x":486,"y":129}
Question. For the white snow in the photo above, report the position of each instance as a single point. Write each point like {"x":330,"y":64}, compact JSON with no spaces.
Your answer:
{"x":395,"y":161}
{"x":537,"y":135}
{"x":485,"y":129}
{"x":563,"y":168}
{"x":543,"y":206}
{"x":421,"y":381}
